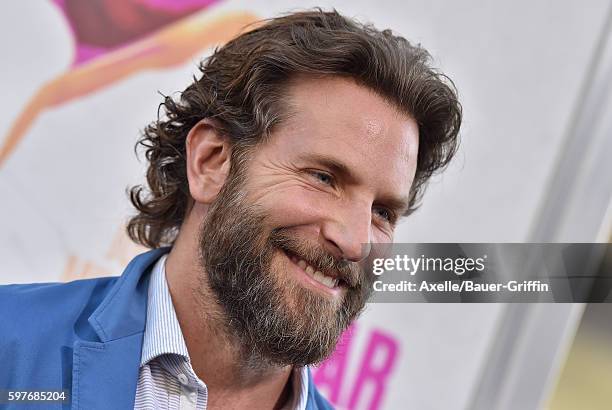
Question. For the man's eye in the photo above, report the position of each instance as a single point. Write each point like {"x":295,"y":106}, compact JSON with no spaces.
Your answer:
{"x":385,"y":214}
{"x":323,"y":177}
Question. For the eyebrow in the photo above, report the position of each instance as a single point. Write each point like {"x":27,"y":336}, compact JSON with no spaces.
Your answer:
{"x":398,"y":204}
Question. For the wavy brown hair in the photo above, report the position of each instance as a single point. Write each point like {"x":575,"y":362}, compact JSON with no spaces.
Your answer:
{"x":242,"y":84}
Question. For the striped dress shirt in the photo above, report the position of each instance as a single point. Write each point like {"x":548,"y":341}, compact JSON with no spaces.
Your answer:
{"x":166,"y":380}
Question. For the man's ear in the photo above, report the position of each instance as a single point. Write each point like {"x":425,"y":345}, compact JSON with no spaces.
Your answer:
{"x":208,"y":160}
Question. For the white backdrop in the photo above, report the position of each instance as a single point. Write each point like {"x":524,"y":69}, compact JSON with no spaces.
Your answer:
{"x":518,"y":67}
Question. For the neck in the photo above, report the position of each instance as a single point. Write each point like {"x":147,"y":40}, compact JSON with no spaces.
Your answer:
{"x":217,"y":356}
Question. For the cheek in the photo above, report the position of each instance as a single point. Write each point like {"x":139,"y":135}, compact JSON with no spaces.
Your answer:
{"x":280,"y":271}
{"x":295,"y":206}
{"x":278,"y":266}
{"x":379,"y":236}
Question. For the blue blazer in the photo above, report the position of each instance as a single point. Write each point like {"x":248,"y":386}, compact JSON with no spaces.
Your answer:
{"x":84,"y":336}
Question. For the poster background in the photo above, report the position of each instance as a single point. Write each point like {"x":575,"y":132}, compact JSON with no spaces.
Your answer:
{"x":519,"y":68}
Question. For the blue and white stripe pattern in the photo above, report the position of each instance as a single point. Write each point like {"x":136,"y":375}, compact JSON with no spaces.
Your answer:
{"x":166,"y":380}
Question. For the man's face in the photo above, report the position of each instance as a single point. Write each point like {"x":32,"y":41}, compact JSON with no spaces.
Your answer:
{"x":283,"y":242}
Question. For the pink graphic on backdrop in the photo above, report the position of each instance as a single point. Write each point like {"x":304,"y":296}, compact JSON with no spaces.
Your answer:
{"x":330,"y":374}
{"x":373,"y":374}
{"x":101,"y":26}
{"x":114,"y":39}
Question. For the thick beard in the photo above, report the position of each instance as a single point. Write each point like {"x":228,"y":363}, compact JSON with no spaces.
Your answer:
{"x":274,"y":320}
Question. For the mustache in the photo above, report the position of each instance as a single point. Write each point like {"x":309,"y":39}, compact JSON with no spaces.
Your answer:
{"x":351,"y":273}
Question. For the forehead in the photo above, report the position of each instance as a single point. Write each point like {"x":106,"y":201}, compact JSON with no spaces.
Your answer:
{"x":336,"y":117}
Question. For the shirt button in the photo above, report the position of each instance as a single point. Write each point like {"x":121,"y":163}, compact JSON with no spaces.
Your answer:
{"x":193,"y":397}
{"x":182,"y":379}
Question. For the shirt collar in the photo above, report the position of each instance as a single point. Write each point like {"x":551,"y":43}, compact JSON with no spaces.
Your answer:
{"x":299,"y":396}
{"x":162,"y":332}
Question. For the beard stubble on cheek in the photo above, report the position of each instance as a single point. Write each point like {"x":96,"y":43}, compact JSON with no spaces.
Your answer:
{"x":274,"y":319}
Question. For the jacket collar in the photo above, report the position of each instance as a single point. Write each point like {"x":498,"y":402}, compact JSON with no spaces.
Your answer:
{"x":105,"y":373}
{"x":127,"y":300}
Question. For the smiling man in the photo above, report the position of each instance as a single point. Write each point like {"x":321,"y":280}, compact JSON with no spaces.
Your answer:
{"x":303,"y":142}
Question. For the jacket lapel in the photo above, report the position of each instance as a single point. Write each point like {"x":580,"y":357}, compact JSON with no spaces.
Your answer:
{"x":105,"y":372}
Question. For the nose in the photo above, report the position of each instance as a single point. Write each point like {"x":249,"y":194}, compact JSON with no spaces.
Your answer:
{"x":347,"y":233}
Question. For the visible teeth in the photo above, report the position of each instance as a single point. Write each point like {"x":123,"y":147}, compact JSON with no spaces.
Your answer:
{"x":318,"y":275}
{"x":325,"y":280}
{"x":329,"y":281}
